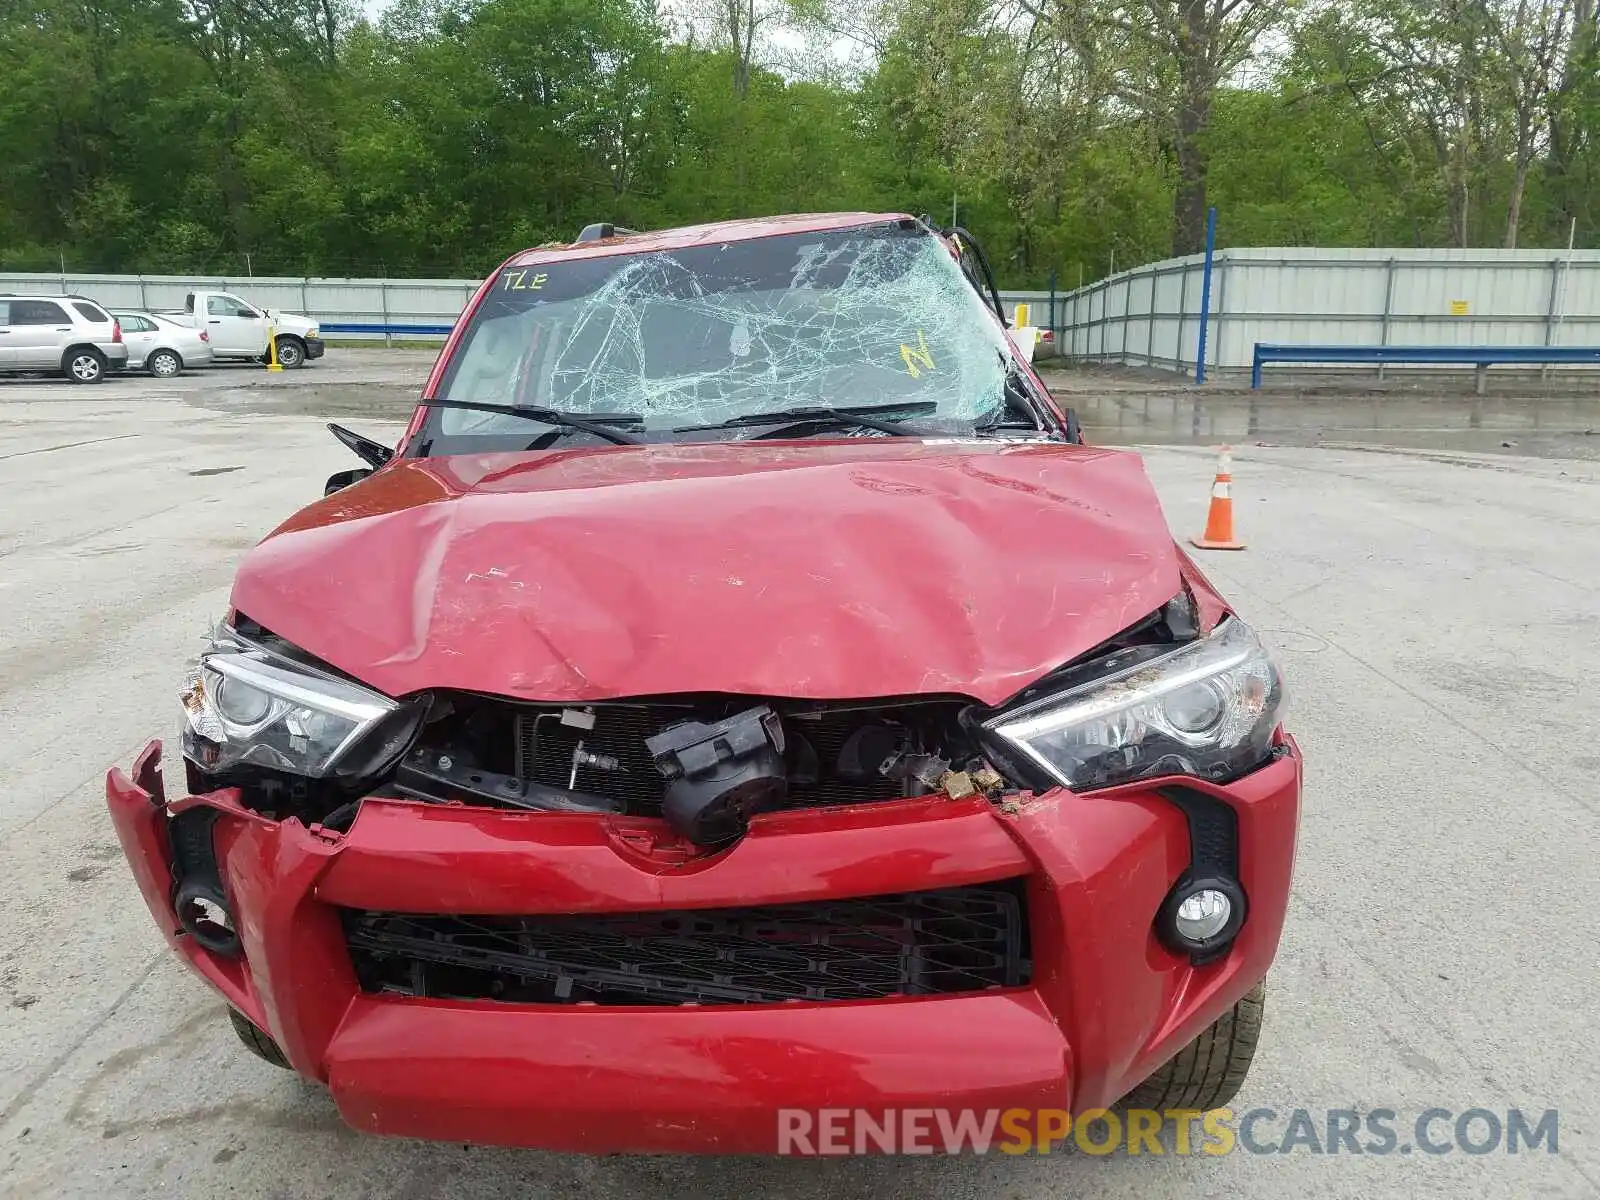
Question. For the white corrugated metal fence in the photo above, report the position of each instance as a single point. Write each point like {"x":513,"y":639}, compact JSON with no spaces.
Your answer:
{"x":1150,"y":316}
{"x":376,"y":302}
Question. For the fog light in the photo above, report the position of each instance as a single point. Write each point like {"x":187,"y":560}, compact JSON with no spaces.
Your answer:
{"x":1201,"y":917}
{"x":203,"y":912}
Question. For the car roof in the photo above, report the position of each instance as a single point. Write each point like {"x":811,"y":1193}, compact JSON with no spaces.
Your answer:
{"x":743,"y":230}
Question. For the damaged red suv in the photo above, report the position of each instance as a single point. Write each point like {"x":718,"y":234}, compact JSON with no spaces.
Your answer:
{"x":741,"y":690}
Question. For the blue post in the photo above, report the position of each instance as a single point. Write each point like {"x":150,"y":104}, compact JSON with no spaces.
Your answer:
{"x":1205,"y":295}
{"x":1053,"y":302}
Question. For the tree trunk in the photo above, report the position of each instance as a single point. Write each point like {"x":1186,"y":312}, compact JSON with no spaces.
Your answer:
{"x":1519,"y":185}
{"x":1566,"y":133}
{"x":330,"y":30}
{"x":1461,"y":182}
{"x":1195,"y":69}
{"x":741,"y":26}
{"x":1189,"y":203}
{"x":1459,"y":202}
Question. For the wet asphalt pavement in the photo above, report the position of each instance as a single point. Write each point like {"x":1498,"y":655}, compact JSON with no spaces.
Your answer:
{"x":1437,"y":612}
{"x":1517,"y":416}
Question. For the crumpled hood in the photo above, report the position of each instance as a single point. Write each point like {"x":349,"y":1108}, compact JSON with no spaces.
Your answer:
{"x":826,"y":569}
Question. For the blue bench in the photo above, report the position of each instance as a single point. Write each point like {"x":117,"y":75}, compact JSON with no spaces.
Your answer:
{"x":1480,"y":357}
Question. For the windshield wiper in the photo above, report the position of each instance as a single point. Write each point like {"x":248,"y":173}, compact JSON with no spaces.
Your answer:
{"x":863,"y":415}
{"x":598,"y":424}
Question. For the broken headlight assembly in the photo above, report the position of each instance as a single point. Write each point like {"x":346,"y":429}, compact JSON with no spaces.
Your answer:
{"x":248,"y":705}
{"x":1207,"y":708}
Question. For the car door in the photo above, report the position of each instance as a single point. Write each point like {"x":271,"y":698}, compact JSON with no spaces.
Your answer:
{"x":235,"y":327}
{"x":40,"y":333}
{"x":8,"y":356}
{"x":140,"y":334}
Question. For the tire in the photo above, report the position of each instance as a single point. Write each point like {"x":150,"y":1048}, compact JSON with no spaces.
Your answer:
{"x":83,"y":364}
{"x":256,"y":1040}
{"x":291,"y":353}
{"x":164,"y":364}
{"x":1209,"y":1071}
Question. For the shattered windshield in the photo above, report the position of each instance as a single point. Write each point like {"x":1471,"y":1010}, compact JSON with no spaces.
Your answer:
{"x":866,"y":316}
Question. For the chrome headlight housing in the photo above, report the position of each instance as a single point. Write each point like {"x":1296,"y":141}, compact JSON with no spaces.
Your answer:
{"x":247,"y":704}
{"x":1207,"y":708}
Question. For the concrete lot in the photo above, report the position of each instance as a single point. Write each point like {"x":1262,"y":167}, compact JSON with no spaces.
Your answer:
{"x":1437,"y":612}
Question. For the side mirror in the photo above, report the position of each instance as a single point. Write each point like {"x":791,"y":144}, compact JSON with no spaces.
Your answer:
{"x":374,"y":454}
{"x":343,"y":479}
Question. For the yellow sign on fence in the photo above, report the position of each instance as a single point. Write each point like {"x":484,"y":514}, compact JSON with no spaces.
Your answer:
{"x":1459,"y":308}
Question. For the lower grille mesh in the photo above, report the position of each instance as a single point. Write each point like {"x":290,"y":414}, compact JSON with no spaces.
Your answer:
{"x":920,"y":943}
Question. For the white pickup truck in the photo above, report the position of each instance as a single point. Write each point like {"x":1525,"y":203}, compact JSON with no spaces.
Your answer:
{"x":239,"y":329}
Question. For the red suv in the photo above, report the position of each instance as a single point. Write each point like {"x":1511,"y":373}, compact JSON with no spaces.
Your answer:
{"x":741,"y":690}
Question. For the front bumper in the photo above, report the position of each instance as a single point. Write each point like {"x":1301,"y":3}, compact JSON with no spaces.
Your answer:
{"x":315,"y":347}
{"x":1108,"y":1003}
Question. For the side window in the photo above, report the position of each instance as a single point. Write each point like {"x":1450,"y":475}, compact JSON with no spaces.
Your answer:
{"x":91,"y":312}
{"x":5,"y":312}
{"x":229,"y":306}
{"x":134,"y":324}
{"x":38,"y":312}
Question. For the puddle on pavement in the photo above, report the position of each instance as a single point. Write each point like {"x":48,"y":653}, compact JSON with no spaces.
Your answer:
{"x":1544,"y":426}
{"x":377,"y":401}
{"x":1550,"y":426}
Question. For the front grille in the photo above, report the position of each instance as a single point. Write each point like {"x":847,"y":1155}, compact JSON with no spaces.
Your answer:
{"x":545,"y":755}
{"x":916,"y":944}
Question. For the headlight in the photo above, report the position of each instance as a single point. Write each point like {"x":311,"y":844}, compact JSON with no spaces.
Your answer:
{"x":245,"y":704}
{"x":1206,"y":709}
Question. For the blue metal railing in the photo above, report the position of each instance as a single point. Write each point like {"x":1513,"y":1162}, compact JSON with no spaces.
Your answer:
{"x":400,"y":329}
{"x":1481,"y":357}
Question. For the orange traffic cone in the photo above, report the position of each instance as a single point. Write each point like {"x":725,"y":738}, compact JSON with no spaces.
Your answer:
{"x":1219,"y":520}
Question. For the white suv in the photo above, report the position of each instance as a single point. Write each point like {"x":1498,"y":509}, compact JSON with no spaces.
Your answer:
{"x":69,"y":334}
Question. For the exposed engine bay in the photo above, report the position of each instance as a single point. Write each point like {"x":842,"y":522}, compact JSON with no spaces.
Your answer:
{"x":705,"y":764}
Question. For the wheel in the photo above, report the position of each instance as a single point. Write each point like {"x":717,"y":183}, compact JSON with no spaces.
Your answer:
{"x":291,"y":353}
{"x":84,"y":364}
{"x":256,"y":1040}
{"x":1209,"y":1071}
{"x":164,"y":363}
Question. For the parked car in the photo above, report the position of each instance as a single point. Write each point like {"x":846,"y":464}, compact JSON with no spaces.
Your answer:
{"x":239,"y":329}
{"x":161,"y":345}
{"x":740,"y":691}
{"x":69,"y":335}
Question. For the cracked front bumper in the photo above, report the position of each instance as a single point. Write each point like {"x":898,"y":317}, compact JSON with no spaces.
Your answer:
{"x":1108,"y":1003}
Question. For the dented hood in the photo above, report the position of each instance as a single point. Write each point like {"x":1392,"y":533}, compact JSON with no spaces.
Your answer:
{"x":826,"y":570}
